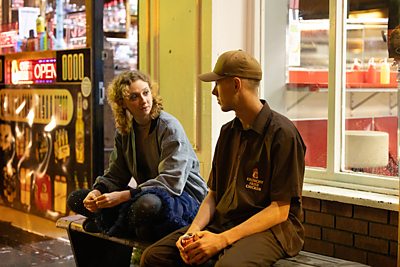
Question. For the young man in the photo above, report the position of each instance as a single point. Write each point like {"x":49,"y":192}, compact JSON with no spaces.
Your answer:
{"x":252,"y":213}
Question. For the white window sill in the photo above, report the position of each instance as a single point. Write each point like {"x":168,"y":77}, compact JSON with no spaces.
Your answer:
{"x":351,"y":196}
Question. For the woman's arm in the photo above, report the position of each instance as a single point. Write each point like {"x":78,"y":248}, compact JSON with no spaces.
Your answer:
{"x":118,"y":175}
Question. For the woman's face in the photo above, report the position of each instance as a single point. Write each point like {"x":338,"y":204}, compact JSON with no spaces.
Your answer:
{"x":139,"y":101}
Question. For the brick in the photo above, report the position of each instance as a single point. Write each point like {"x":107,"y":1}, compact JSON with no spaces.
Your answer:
{"x":351,"y":254}
{"x":352,"y":225}
{"x":371,"y":214}
{"x":371,"y":244}
{"x":311,"y":204}
{"x":337,"y":208}
{"x":383,"y":231}
{"x":318,"y":218}
{"x":318,"y":246}
{"x":381,"y":260}
{"x":393,"y":249}
{"x":312,"y":231}
{"x":394,"y":218}
{"x":337,"y":236}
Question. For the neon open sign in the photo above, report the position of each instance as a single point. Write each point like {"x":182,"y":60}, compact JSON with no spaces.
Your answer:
{"x":39,"y":71}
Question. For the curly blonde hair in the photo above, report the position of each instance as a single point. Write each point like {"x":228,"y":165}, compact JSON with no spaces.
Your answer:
{"x":118,"y":90}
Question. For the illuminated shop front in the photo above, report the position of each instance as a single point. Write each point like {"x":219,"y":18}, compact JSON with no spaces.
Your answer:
{"x":52,"y":82}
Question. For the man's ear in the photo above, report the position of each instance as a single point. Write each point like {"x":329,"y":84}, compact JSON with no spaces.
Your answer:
{"x":238,"y":83}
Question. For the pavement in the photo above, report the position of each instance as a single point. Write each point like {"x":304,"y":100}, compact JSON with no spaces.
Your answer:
{"x":21,"y":248}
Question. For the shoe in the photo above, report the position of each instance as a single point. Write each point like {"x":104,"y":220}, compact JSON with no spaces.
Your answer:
{"x":90,"y":225}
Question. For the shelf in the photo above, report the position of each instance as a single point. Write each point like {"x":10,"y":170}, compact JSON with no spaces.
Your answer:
{"x":121,"y":34}
{"x":359,"y":88}
{"x":317,"y":80}
{"x":372,"y":89}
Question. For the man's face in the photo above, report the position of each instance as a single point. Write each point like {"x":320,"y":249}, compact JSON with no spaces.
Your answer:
{"x":224,"y":90}
{"x":139,"y":101}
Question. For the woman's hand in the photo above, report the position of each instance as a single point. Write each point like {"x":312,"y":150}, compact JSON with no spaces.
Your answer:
{"x":112,"y":199}
{"x":90,"y":200}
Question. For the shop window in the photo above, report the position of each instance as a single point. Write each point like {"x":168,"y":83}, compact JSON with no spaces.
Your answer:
{"x":28,"y":26}
{"x":341,"y":89}
{"x":371,"y":92}
{"x":121,"y":33}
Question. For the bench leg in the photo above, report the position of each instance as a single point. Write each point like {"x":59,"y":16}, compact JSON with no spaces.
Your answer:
{"x":92,"y":251}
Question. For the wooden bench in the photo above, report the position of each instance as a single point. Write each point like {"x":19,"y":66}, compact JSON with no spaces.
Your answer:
{"x":98,"y":249}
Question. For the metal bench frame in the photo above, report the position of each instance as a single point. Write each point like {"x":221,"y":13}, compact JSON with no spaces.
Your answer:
{"x":97,"y":249}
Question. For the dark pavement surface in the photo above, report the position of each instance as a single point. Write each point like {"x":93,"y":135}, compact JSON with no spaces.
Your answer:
{"x":20,"y":248}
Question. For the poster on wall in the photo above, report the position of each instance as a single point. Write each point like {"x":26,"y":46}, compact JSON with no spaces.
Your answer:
{"x":45,"y":130}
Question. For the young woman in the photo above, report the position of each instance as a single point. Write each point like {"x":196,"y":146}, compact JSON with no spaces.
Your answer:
{"x":152,"y":148}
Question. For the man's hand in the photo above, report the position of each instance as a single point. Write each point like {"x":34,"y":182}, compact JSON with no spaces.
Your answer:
{"x":207,"y":245}
{"x":179,"y":245}
{"x":90,"y":200}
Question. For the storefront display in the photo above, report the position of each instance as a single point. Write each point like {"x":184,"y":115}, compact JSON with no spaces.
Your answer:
{"x":52,"y":96}
{"x":370,"y":77}
{"x":53,"y":75}
{"x":46,"y":128}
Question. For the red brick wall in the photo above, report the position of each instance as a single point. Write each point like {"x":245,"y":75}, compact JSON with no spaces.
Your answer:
{"x":356,"y":233}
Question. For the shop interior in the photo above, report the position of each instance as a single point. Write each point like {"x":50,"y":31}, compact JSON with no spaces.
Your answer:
{"x":370,"y":80}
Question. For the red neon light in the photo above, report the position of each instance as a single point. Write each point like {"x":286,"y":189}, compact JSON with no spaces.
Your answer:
{"x":34,"y":71}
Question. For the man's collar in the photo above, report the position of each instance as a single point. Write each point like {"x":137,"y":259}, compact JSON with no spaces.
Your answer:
{"x":260,"y":121}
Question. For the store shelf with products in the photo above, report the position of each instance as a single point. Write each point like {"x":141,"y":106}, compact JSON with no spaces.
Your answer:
{"x":316,"y":80}
{"x":307,"y":82}
{"x":368,"y":70}
{"x":365,"y":39}
{"x":119,"y":17}
{"x":121,"y":32}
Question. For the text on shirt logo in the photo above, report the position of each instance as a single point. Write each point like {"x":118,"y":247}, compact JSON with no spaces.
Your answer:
{"x":253,"y":182}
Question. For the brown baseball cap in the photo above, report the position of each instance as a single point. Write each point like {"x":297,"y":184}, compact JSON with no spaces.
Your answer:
{"x":235,"y":63}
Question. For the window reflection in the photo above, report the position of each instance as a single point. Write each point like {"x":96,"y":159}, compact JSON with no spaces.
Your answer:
{"x":371,"y":113}
{"x":371,"y":91}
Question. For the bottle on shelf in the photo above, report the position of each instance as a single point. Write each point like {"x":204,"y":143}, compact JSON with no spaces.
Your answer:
{"x":76,"y":181}
{"x":32,"y":42}
{"x":79,"y":132}
{"x":356,"y":65}
{"x":385,"y":72}
{"x":85,"y":181}
{"x":60,"y":194}
{"x":371,"y":72}
{"x":41,"y":33}
{"x":121,"y":15}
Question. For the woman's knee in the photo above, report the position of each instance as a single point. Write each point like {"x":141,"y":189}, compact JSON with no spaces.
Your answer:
{"x":75,"y":200}
{"x":145,"y":209}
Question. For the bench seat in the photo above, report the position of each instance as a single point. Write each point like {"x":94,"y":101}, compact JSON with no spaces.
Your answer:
{"x":98,"y":249}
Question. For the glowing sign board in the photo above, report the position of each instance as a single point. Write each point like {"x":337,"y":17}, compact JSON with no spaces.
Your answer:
{"x":39,"y":71}
{"x":8,"y":39}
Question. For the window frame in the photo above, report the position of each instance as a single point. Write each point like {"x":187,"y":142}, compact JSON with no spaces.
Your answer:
{"x":333,"y":175}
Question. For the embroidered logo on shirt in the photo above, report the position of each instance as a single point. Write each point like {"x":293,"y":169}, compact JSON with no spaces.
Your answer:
{"x":253,"y":182}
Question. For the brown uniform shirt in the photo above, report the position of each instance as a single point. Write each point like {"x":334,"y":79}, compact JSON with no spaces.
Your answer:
{"x":251,"y":168}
